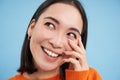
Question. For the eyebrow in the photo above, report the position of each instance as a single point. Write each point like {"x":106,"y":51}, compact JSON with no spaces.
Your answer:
{"x":55,"y":20}
{"x":76,"y":30}
{"x":72,"y":28}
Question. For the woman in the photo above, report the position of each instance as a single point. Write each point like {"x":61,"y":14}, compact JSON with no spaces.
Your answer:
{"x":55,"y":42}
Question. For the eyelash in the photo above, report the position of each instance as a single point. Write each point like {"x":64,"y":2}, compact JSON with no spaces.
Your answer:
{"x":73,"y":35}
{"x":48,"y":25}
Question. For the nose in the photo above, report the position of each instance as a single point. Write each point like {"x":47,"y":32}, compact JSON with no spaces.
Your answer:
{"x":57,"y":41}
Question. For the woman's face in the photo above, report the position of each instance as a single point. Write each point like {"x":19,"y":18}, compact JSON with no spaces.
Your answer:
{"x":50,"y":35}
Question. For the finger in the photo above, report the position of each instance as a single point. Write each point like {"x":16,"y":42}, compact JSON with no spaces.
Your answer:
{"x":74,"y":62}
{"x":79,"y":57}
{"x":73,"y":54}
{"x":80,"y":44}
{"x":74,"y":46}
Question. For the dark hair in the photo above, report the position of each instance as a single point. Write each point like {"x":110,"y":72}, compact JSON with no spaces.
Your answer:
{"x":27,"y":64}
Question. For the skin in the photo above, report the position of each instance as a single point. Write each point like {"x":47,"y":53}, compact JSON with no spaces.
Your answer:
{"x":58,"y":30}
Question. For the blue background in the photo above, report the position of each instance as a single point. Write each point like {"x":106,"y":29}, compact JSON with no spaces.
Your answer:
{"x":103,"y":51}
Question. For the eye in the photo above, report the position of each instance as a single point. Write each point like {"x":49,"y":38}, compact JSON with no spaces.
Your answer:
{"x":50,"y":25}
{"x":71,"y":34}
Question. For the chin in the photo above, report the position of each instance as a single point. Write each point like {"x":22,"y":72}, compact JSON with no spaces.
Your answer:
{"x":49,"y":68}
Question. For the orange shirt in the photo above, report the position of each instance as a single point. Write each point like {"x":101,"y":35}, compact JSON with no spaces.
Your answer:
{"x":90,"y":74}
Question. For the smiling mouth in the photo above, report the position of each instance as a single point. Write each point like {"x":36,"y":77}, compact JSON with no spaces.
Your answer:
{"x":50,"y":53}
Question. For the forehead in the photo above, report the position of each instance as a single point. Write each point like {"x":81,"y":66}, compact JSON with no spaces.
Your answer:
{"x":65,"y":13}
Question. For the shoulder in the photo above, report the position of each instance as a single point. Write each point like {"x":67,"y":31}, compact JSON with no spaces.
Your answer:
{"x":93,"y":71}
{"x":90,"y":74}
{"x":94,"y":74}
{"x":18,"y":77}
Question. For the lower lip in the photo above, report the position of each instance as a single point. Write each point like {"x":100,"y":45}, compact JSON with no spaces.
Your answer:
{"x":49,"y":58}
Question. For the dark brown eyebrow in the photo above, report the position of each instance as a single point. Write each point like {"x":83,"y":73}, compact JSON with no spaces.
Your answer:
{"x":76,"y":30}
{"x":55,"y":20}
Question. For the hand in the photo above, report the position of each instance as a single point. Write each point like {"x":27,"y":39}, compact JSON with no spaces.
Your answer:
{"x":77,"y":57}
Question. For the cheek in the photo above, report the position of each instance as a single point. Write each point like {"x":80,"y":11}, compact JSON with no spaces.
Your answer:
{"x":39,"y":34}
{"x":36,"y":40}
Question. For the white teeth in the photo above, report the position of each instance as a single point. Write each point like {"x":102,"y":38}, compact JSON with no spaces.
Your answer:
{"x":50,"y":53}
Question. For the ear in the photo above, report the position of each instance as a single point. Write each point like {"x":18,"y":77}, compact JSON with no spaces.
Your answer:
{"x":31,"y":27}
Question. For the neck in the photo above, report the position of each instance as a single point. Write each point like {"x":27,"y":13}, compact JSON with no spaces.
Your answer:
{"x":42,"y":74}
